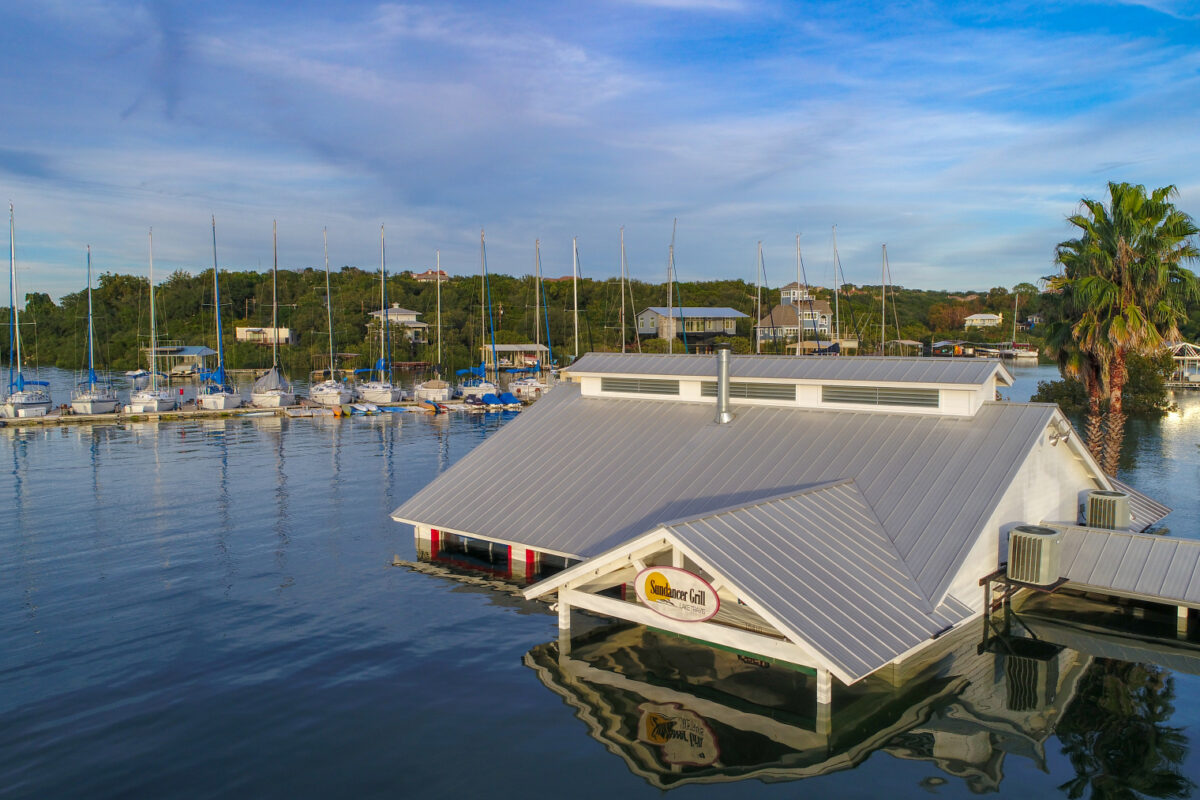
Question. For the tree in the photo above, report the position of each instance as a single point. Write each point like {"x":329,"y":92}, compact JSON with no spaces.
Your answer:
{"x":1124,"y":289}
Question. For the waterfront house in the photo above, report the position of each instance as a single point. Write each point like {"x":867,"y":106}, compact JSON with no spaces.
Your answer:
{"x":952,"y":347}
{"x":983,"y":321}
{"x":783,"y":322}
{"x":407,"y":320}
{"x":699,"y":325}
{"x":431,"y":276}
{"x":514,"y":356}
{"x":839,"y":514}
{"x":265,"y":336}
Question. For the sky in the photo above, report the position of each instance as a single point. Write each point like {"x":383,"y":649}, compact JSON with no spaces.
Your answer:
{"x":961,"y":136}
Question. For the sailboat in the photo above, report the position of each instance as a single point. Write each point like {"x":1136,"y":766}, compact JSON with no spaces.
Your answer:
{"x":25,"y":398}
{"x":532,"y":387}
{"x":330,"y":392}
{"x":475,"y":384}
{"x":435,"y":390}
{"x":215,"y":392}
{"x":381,"y":390}
{"x":150,"y":398}
{"x":92,"y":396}
{"x":273,"y":390}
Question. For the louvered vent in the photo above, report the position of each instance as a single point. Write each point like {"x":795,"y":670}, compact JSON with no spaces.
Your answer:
{"x":638,"y":386}
{"x":740,"y":390}
{"x":880,"y":396}
{"x":1109,"y":510}
{"x":1033,"y":554}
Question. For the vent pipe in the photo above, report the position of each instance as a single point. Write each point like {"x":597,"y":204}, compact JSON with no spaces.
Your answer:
{"x":723,"y":413}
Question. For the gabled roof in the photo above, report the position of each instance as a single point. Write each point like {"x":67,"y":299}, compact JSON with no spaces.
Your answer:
{"x":692,"y":312}
{"x":851,"y":597}
{"x":785,"y":314}
{"x":595,"y":472}
{"x":865,"y":369}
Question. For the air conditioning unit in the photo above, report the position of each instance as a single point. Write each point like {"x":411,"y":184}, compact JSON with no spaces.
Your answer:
{"x":1033,"y":554}
{"x":1107,"y":509}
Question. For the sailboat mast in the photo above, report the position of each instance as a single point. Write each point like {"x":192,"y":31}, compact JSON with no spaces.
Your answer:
{"x":837,"y":289}
{"x":622,"y":288}
{"x":799,"y":319}
{"x":491,"y":324}
{"x":671,"y":290}
{"x":883,"y":304}
{"x":439,"y":305}
{"x":575,"y":290}
{"x":91,"y":328}
{"x":537,"y":295}
{"x":14,"y":319}
{"x":1016,"y":299}
{"x":383,"y":329}
{"x":329,"y":307}
{"x":758,"y":282}
{"x":153,"y":330}
{"x":274,"y":294}
{"x":217,"y":308}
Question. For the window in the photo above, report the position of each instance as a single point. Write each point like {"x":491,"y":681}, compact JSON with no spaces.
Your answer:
{"x":880,"y":396}
{"x":638,"y":386}
{"x":752,"y":391}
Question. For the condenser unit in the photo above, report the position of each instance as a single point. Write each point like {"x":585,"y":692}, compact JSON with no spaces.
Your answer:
{"x":1033,"y":554}
{"x":1107,"y":509}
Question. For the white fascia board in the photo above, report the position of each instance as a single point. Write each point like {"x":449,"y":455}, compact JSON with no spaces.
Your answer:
{"x":608,"y":561}
{"x":1077,"y":446}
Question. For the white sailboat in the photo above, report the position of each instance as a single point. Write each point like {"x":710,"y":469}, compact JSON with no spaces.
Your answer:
{"x":273,"y":390}
{"x":150,"y":398}
{"x":25,"y":398}
{"x":381,"y":389}
{"x":330,"y":392}
{"x":532,"y":387}
{"x":435,"y":390}
{"x":92,"y":396}
{"x":215,"y":392}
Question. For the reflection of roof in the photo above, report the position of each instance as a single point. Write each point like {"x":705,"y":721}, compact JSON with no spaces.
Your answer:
{"x":939,"y":371}
{"x":694,"y":312}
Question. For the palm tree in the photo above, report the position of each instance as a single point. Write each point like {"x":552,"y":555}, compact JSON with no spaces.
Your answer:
{"x":1125,"y":289}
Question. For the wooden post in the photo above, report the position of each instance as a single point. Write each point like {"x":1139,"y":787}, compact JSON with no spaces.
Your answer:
{"x":824,"y":701}
{"x":564,"y":627}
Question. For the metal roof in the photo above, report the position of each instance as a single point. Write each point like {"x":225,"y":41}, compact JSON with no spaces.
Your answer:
{"x":850,"y":596}
{"x":1143,"y":511}
{"x":577,"y":475}
{"x":701,"y":312}
{"x":953,"y":371}
{"x":1160,"y":568}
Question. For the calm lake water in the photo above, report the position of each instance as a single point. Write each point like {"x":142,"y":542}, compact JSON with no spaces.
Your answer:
{"x":207,"y":609}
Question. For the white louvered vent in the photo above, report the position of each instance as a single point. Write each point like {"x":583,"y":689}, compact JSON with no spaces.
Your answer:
{"x":1033,"y":554}
{"x":1109,"y":510}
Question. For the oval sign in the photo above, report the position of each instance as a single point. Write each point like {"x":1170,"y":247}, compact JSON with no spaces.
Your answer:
{"x":677,"y":594}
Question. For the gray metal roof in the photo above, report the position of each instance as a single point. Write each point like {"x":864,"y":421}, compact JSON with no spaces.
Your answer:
{"x":850,"y":596}
{"x":577,"y":475}
{"x":1143,"y":511}
{"x":698,"y":312}
{"x":961,"y":371}
{"x":1163,"y":568}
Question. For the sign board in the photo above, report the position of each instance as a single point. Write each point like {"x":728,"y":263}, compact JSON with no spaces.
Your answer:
{"x":677,"y":594}
{"x":683,"y":735}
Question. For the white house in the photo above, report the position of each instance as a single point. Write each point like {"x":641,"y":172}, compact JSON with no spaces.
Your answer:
{"x":783,"y":322}
{"x":265,"y":335}
{"x":693,"y":321}
{"x":406,"y":319}
{"x":983,"y":321}
{"x":838,"y":514}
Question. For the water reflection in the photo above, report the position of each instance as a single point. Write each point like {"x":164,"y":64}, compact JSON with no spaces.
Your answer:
{"x":680,"y":713}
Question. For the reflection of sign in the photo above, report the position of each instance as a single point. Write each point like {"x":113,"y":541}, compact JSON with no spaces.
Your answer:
{"x":683,"y":736}
{"x":677,"y":594}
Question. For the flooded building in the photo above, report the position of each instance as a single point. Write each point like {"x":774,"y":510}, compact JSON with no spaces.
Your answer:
{"x":835,"y":514}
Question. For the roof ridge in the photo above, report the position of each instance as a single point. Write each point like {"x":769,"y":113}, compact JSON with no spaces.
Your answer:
{"x":816,"y":487}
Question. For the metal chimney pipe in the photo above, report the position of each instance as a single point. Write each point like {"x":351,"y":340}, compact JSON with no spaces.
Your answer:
{"x":723,"y":413}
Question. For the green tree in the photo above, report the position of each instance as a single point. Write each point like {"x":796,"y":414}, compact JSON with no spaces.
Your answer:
{"x":1125,"y":290}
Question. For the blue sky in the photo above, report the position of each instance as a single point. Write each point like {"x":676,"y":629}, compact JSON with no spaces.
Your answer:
{"x":962,"y":136}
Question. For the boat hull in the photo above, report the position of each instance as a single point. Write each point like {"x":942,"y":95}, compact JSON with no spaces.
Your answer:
{"x":94,"y":405}
{"x":272,"y":399}
{"x":26,"y":404}
{"x":219,"y":401}
{"x":434,"y":395}
{"x":330,"y":394}
{"x":379,"y":393}
{"x":150,"y":402}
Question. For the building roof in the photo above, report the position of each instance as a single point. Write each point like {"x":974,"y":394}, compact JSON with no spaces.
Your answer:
{"x":851,"y":597}
{"x":660,"y":461}
{"x":694,"y":312}
{"x":1143,"y":511}
{"x":517,"y":348}
{"x":785,"y":314}
{"x":395,"y":309}
{"x":1162,"y":568}
{"x":938,"y":371}
{"x":184,"y":351}
{"x":984,"y":316}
